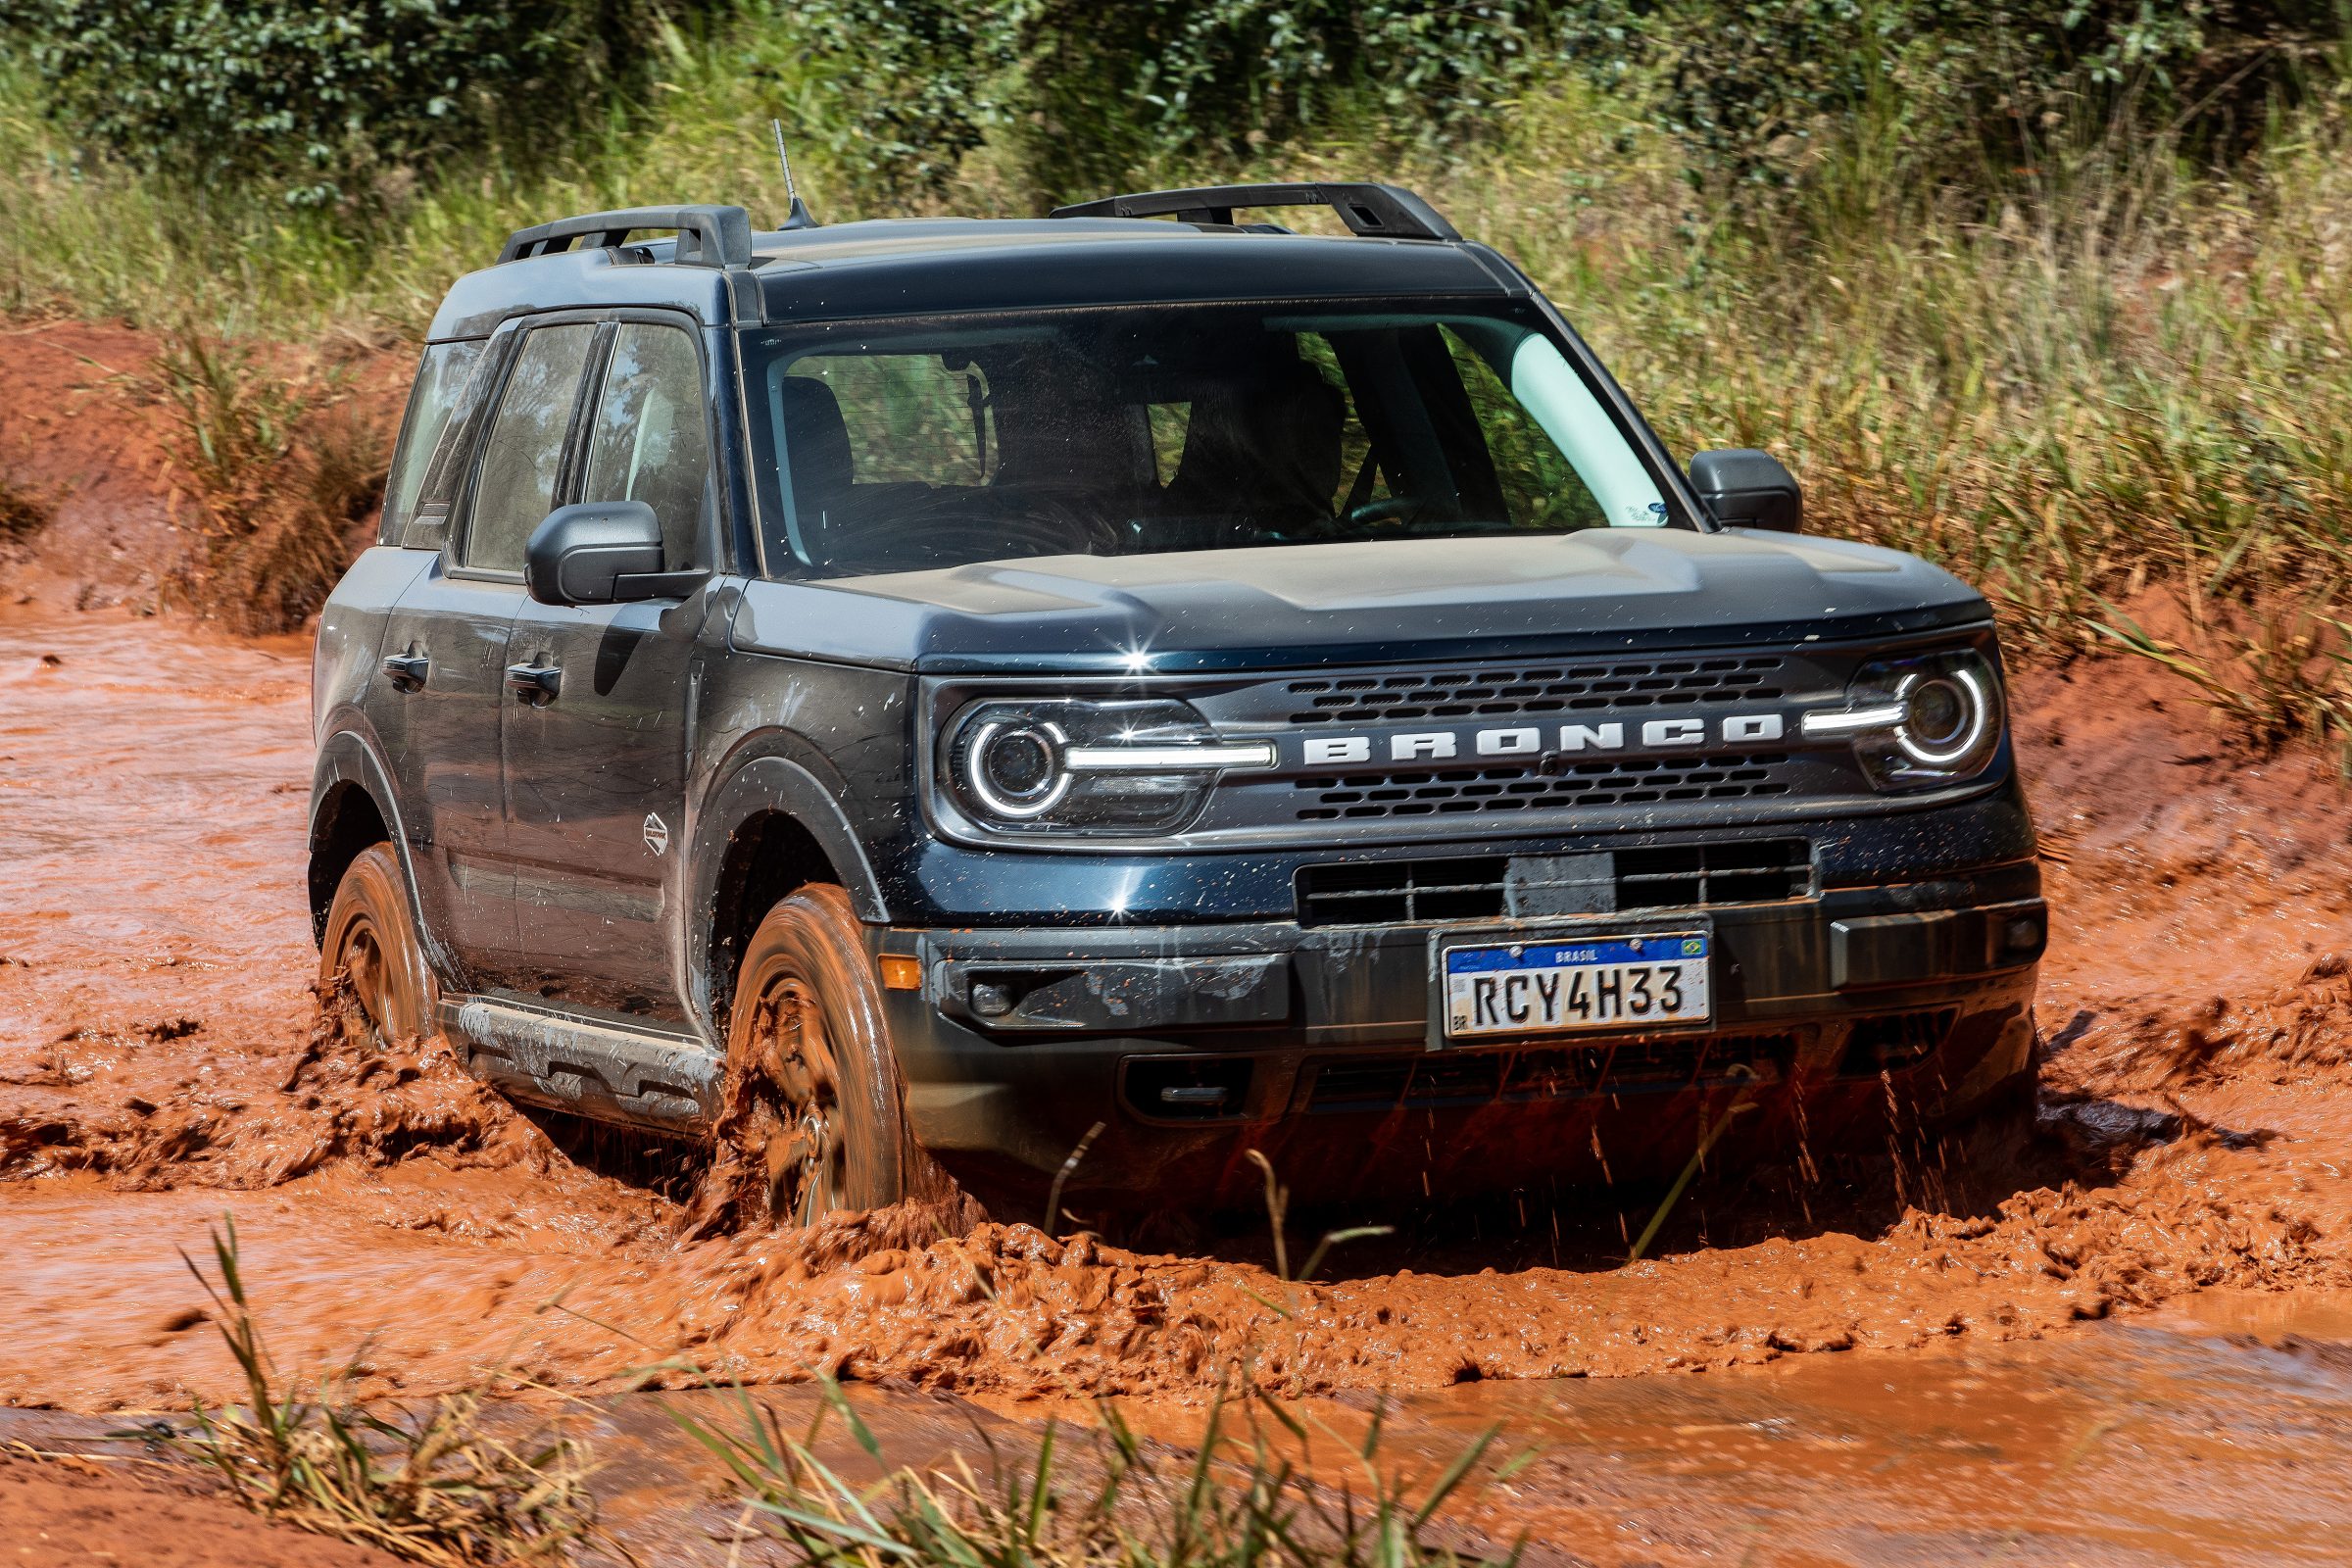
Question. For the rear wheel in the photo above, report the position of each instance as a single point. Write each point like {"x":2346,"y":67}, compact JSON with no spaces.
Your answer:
{"x":370,"y":944}
{"x":812,"y":1119}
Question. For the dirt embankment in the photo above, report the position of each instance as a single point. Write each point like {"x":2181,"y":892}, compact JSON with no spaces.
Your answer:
{"x":80,"y":434}
{"x":90,"y":434}
{"x":160,"y":1063}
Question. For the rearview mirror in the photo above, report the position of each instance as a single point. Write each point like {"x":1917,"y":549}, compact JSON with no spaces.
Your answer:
{"x":597,"y":553}
{"x":1748,"y":489}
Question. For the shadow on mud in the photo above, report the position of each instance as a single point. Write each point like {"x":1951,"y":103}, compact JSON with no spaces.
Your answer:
{"x":2085,"y":1142}
{"x":666,"y":1169}
{"x":2081,"y":1140}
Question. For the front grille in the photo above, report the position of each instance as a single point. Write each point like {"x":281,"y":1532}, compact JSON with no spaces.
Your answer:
{"x":1624,"y":781}
{"x":1695,"y":875}
{"x":1572,"y":1072}
{"x":1401,"y":892}
{"x":1488,"y":887}
{"x":1500,"y":691}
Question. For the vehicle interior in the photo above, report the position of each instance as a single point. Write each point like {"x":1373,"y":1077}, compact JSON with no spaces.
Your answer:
{"x":1187,"y":428}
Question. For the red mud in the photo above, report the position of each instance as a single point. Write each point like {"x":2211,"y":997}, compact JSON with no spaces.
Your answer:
{"x":72,"y":1513}
{"x":158,"y":1064}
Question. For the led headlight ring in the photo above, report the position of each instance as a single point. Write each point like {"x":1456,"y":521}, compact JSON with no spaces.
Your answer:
{"x":1976,"y":710}
{"x":1000,"y":757}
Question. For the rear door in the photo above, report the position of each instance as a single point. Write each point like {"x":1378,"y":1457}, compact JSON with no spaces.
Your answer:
{"x":445,"y":651}
{"x":595,"y":773}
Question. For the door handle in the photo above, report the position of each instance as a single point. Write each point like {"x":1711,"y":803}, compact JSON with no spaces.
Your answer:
{"x":535,"y":683}
{"x":407,"y":670}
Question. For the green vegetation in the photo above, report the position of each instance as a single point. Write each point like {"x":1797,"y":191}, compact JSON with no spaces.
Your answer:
{"x":427,"y":1488}
{"x":279,"y":471}
{"x":2062,"y":298}
{"x":1235,"y":1503}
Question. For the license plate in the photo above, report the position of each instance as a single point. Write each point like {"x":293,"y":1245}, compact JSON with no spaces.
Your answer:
{"x":1535,"y":988}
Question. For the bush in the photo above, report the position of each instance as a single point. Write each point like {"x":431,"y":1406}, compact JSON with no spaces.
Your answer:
{"x":1089,"y":90}
{"x":328,"y":105}
{"x":279,"y":471}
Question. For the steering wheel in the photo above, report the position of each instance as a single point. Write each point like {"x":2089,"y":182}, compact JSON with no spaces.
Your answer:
{"x":1396,"y":509}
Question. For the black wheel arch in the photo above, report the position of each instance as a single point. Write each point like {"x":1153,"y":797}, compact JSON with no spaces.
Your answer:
{"x":772,"y":827}
{"x":352,"y":806}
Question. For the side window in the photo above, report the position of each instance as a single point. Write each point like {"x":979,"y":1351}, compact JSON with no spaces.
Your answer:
{"x":440,"y":375}
{"x":524,"y":449}
{"x":649,"y":441}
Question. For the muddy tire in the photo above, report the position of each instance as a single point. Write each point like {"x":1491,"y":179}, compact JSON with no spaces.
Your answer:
{"x":813,"y":1121}
{"x":370,"y":948}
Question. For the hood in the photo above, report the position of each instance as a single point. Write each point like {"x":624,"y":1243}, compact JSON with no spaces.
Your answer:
{"x":1277,"y":607}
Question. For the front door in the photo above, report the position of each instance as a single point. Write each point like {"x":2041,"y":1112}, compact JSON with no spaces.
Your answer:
{"x":445,"y":671}
{"x":595,"y":769}
{"x":447,"y":653}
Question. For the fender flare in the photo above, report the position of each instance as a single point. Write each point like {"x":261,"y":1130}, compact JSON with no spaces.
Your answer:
{"x":788,"y":786}
{"x":348,"y":756}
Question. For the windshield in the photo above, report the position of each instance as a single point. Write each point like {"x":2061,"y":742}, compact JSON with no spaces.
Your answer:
{"x":1190,"y":427}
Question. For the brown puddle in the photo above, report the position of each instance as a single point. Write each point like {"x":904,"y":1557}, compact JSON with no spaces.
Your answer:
{"x":159,"y":1064}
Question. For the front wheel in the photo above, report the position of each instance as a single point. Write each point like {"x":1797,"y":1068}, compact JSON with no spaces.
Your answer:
{"x":370,"y":944}
{"x":812,"y":1119}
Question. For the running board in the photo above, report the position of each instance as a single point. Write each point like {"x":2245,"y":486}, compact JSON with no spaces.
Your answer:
{"x":651,"y":1077}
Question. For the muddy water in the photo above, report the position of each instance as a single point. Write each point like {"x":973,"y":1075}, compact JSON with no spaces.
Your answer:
{"x":159,"y":1064}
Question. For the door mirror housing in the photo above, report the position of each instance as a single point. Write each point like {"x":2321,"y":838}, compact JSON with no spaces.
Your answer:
{"x":1748,"y":489}
{"x":601,"y":553}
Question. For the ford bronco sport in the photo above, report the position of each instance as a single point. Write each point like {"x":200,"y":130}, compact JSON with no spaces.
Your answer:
{"x":935,"y":695}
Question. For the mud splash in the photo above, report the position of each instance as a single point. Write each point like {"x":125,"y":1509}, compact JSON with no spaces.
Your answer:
{"x":157,"y":1049}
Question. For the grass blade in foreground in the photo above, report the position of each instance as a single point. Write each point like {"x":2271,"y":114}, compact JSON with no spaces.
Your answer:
{"x":426,"y":1486}
{"x":1231,"y":1505}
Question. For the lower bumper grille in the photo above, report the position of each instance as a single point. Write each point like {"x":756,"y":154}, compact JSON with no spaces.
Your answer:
{"x":1490,"y":887}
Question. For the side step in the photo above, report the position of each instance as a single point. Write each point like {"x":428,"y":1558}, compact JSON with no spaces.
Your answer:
{"x":644,"y":1075}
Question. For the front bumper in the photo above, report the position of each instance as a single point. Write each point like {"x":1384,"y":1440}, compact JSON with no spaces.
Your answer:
{"x":1191,"y":1045}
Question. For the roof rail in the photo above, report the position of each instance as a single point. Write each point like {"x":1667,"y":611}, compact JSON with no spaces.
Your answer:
{"x":1389,"y":211}
{"x":708,"y":236}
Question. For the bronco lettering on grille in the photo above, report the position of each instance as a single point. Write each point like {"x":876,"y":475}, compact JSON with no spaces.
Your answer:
{"x":1533,"y":740}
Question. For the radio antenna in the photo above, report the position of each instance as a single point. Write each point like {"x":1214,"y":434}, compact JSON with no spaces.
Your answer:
{"x":797,"y":214}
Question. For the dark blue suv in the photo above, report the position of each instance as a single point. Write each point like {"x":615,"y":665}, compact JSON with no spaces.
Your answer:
{"x":892,"y":700}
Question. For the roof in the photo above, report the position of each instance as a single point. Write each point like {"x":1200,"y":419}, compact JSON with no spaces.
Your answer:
{"x":933,"y":266}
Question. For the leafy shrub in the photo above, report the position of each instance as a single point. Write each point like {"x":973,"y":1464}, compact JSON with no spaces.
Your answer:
{"x":1085,"y":92}
{"x":1945,"y":88}
{"x":1091,"y":89}
{"x":279,"y":471}
{"x":327,"y":104}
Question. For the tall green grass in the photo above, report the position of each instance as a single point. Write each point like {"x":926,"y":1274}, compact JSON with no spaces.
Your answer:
{"x":2116,"y":394}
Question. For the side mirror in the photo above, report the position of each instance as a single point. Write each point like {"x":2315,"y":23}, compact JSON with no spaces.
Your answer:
{"x":599,"y":553}
{"x":1748,"y":489}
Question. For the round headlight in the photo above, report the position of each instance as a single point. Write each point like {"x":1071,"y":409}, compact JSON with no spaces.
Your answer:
{"x":1015,"y":769}
{"x":1945,"y":716}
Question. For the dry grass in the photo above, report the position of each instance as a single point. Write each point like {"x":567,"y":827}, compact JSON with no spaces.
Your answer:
{"x":428,"y":1487}
{"x":279,"y":471}
{"x":1237,"y":1500}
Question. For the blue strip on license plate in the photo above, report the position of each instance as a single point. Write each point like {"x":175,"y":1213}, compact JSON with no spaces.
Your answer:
{"x":1531,"y":988}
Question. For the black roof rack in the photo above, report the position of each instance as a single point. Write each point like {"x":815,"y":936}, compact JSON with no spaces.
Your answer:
{"x":1390,"y":211}
{"x":708,"y":236}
